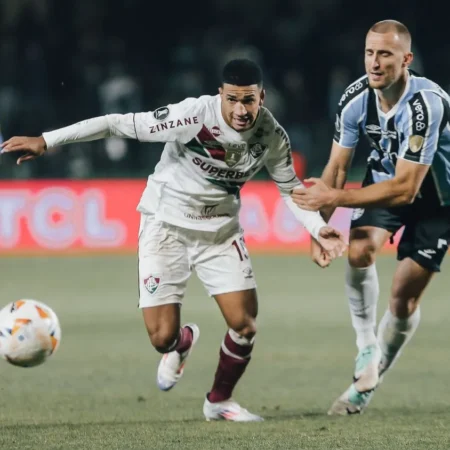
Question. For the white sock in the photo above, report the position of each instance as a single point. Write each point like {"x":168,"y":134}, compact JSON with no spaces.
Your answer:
{"x":361,"y":285}
{"x":393,"y":335}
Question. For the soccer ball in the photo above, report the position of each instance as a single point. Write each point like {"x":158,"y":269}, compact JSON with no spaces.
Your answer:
{"x":29,"y":333}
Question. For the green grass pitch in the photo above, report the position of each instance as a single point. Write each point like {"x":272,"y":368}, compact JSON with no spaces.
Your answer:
{"x":99,"y":391}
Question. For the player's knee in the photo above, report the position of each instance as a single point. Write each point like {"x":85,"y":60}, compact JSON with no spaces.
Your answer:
{"x":245,"y":328}
{"x":163,"y":338}
{"x":362,"y":253}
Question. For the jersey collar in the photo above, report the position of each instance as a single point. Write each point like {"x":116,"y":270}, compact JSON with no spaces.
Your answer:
{"x":394,"y":109}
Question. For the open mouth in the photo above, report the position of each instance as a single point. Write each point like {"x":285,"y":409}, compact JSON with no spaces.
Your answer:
{"x":241,"y":121}
{"x":376,"y":75}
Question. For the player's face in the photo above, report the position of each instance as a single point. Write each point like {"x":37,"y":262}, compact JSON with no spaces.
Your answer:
{"x":386,"y":57}
{"x":240,"y":105}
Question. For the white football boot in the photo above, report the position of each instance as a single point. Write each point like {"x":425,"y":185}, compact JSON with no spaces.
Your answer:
{"x":228,"y":410}
{"x":365,"y":380}
{"x":171,"y":366}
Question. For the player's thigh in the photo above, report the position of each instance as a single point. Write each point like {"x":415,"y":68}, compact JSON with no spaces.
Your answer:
{"x":369,"y":231}
{"x":421,"y":250}
{"x":239,"y":310}
{"x":408,"y":285}
{"x":224,"y":265}
{"x":164,"y":267}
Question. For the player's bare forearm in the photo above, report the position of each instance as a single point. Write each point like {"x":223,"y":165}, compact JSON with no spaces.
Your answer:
{"x":398,"y":191}
{"x":388,"y":193}
{"x":335,"y":173}
{"x":334,"y":176}
{"x":394,"y":192}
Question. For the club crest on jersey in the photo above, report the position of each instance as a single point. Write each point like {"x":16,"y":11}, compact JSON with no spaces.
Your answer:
{"x":152,"y":283}
{"x":161,"y":113}
{"x":234,"y":153}
{"x":415,"y":143}
{"x":256,"y":150}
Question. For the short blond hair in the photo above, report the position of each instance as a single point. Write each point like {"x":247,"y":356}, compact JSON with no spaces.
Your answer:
{"x":393,"y":26}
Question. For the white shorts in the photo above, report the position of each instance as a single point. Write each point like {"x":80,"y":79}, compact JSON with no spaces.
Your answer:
{"x":168,"y":253}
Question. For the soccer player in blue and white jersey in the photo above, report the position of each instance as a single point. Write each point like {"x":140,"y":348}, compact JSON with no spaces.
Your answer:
{"x":405,"y":119}
{"x":190,"y":217}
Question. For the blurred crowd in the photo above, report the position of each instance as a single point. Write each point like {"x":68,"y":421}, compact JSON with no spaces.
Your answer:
{"x":63,"y":61}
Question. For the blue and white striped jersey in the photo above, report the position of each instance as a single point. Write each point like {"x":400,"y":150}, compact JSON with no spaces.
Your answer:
{"x":417,"y":129}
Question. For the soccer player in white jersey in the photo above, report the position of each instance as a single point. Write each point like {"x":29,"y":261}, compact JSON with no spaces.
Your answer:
{"x":405,"y":119}
{"x":189,"y":217}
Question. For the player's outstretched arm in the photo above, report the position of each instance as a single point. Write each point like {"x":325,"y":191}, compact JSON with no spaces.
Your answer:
{"x":175,"y":122}
{"x":32,"y":146}
{"x":88,"y":130}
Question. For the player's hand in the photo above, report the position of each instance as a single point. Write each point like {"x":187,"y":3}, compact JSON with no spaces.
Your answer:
{"x":316,"y":197}
{"x":319,"y":255}
{"x":31,"y":146}
{"x":332,"y":241}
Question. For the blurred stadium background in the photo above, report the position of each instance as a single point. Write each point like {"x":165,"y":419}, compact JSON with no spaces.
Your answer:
{"x":68,"y":227}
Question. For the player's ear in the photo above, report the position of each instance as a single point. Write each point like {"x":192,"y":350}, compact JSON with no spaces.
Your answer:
{"x":262,"y":96}
{"x":408,"y":59}
{"x":220,"y":90}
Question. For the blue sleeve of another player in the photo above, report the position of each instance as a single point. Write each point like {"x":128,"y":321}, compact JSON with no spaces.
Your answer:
{"x":423,"y":122}
{"x":348,"y":116}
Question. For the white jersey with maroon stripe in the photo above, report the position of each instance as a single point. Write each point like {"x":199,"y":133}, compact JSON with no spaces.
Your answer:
{"x":205,"y":162}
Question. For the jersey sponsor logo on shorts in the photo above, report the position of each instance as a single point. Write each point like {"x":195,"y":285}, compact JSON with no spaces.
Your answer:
{"x":152,"y":283}
{"x":173,"y":124}
{"x":257,"y":149}
{"x":161,"y":113}
{"x":357,"y":213}
{"x":442,"y":243}
{"x":415,"y":143}
{"x":428,"y":253}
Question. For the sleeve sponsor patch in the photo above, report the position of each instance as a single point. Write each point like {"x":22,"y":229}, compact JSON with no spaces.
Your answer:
{"x":161,"y":113}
